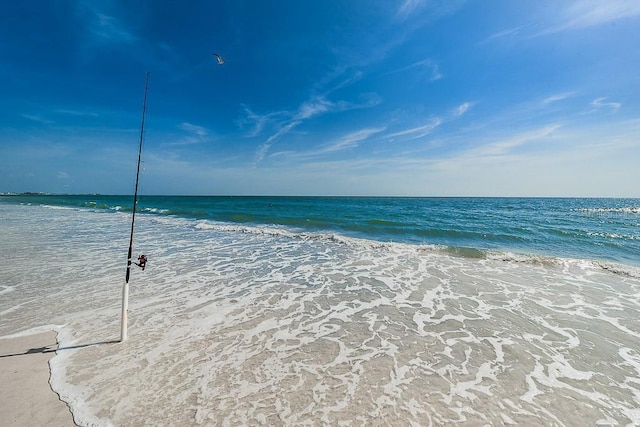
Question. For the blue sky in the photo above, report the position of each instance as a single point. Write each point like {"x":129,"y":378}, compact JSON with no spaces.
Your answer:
{"x":348,"y":97}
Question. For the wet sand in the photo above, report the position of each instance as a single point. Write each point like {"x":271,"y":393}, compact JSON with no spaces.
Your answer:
{"x":26,"y":398}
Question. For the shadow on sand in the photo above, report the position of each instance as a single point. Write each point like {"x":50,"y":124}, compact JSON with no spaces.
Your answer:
{"x":52,"y":349}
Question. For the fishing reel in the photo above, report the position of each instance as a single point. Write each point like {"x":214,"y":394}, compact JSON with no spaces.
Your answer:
{"x":142,"y":262}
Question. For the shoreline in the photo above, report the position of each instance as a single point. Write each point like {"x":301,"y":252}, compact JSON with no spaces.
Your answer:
{"x":26,"y":395}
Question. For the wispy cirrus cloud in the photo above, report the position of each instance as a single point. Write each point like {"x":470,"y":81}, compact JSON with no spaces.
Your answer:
{"x":59,"y":113}
{"x":503,"y":147}
{"x":431,"y":124}
{"x":340,"y":77}
{"x":352,"y":140}
{"x":348,"y":141}
{"x":194,"y":129}
{"x":264,"y":148}
{"x":407,"y":8}
{"x":110,"y":29}
{"x":37,"y":118}
{"x":418,"y":131}
{"x":575,"y":15}
{"x":557,"y":97}
{"x":462,"y":109}
{"x":426,"y":9}
{"x":256,"y":123}
{"x":429,"y":65}
{"x":102,"y":26}
{"x":590,"y":13}
{"x":77,"y":113}
{"x":310,"y":109}
{"x":191,"y":135}
{"x":506,"y":33}
{"x":315,"y":107}
{"x":600,"y":103}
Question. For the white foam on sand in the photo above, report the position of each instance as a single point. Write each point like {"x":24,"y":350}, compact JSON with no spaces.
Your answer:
{"x":241,"y":325}
{"x":32,"y":331}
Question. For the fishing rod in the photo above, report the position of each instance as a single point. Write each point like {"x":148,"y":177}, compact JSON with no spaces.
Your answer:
{"x":142,"y":259}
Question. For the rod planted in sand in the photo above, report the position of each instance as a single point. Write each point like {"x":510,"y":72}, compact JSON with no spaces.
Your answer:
{"x":125,"y":288}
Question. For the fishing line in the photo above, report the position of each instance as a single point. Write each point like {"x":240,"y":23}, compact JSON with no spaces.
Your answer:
{"x":142,"y":259}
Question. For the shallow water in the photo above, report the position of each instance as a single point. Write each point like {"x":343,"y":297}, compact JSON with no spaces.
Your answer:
{"x":256,"y":325}
{"x":584,"y":228}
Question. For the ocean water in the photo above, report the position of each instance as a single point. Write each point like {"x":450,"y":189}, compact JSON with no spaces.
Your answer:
{"x":332,"y":311}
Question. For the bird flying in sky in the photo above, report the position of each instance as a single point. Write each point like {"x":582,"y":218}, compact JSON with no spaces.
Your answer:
{"x":219,"y":58}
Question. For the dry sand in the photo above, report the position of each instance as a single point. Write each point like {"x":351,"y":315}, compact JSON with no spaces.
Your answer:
{"x":26,"y":398}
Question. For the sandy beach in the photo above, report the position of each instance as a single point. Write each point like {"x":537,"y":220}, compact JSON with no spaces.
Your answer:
{"x":25,"y":395}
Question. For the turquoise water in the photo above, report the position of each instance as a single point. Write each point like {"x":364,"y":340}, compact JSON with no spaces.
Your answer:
{"x":583,"y":228}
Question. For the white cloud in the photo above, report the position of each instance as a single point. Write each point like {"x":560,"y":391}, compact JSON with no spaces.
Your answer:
{"x":426,"y":10}
{"x":555,"y":98}
{"x":590,"y":13}
{"x":407,"y":8}
{"x":352,"y":139}
{"x":38,"y":119}
{"x":503,"y":34}
{"x":420,"y":131}
{"x":599,"y":103}
{"x":503,"y":147}
{"x":194,"y":134}
{"x":432,"y":68}
{"x":348,"y":141}
{"x":583,"y":162}
{"x":257,"y":122}
{"x":264,"y":148}
{"x":462,"y":108}
{"x":347,"y":81}
{"x":194,"y":129}
{"x":109,"y":28}
{"x":314,"y":107}
{"x":432,"y":124}
{"x":76,"y":113}
{"x":588,"y":162}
